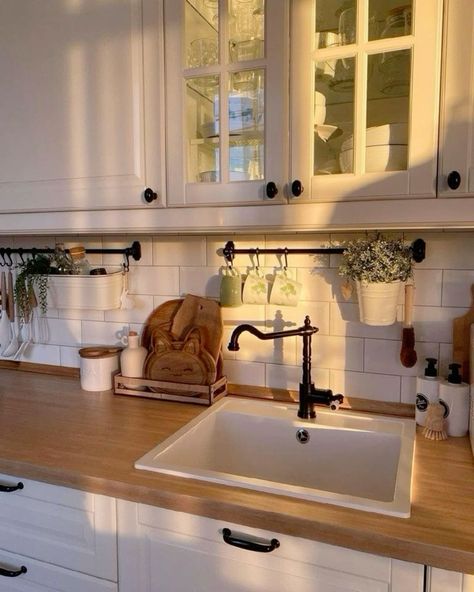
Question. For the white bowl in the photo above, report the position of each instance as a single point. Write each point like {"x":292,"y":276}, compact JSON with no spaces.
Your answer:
{"x":391,"y":133}
{"x":377,"y":159}
{"x":319,"y":108}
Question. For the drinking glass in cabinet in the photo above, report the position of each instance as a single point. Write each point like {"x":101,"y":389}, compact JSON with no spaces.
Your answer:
{"x":389,"y":19}
{"x":246,"y":30}
{"x":202,"y":129}
{"x":335,"y":23}
{"x":201,"y":33}
{"x":395,"y":67}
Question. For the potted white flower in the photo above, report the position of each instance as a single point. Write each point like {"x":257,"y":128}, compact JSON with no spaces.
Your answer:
{"x":379,"y":267}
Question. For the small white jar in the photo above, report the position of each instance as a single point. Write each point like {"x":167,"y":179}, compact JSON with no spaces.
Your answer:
{"x":98,"y":367}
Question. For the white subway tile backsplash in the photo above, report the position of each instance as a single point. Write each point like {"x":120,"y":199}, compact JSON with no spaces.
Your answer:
{"x":201,"y":281}
{"x":378,"y":387}
{"x":188,"y":251}
{"x":346,"y":355}
{"x":457,"y":287}
{"x":239,"y":372}
{"x":383,"y":357}
{"x":153,"y":280}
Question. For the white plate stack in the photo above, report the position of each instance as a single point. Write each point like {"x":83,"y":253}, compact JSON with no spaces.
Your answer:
{"x":386,"y":149}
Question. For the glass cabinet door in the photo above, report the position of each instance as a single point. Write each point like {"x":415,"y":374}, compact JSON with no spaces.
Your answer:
{"x":224,"y":84}
{"x":364,"y":84}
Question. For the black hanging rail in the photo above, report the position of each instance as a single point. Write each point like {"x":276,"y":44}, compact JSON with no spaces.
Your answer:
{"x":418,"y":248}
{"x":134,"y":251}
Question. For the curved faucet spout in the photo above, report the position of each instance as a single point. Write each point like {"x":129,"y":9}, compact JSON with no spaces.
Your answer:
{"x":306,"y":329}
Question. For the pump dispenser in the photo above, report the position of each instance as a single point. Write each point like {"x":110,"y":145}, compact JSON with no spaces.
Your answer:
{"x":427,"y":390}
{"x":454,"y":395}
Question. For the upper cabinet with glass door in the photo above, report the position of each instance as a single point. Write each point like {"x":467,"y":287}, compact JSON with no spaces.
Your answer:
{"x":226,"y":105}
{"x":364,"y":92}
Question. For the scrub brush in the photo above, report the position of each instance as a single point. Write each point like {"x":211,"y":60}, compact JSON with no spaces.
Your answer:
{"x":435,"y":428}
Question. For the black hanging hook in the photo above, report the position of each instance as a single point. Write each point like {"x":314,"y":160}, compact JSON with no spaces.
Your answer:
{"x":8,"y":254}
{"x":285,"y":253}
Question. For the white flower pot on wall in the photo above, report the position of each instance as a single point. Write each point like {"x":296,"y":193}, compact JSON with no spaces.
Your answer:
{"x":378,"y":302}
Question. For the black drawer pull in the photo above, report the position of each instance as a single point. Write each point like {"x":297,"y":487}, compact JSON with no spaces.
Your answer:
{"x":249,"y":545}
{"x":8,"y":488}
{"x":150,"y":195}
{"x":10,"y":573}
{"x":271,"y":190}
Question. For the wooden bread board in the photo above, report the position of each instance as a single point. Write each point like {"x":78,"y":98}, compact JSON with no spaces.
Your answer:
{"x":461,"y":339}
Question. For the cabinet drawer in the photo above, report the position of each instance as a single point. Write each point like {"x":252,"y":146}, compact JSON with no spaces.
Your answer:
{"x":63,"y":526}
{"x":47,"y":578}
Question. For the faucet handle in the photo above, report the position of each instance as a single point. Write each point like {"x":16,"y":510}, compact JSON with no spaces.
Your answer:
{"x":335,"y":403}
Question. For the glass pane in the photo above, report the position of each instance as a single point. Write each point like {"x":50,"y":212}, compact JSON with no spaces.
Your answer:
{"x":388,"y":19}
{"x":335,"y":23}
{"x":246,"y":30}
{"x":202,"y":129}
{"x":246,"y":125}
{"x":388,"y":111}
{"x":334,"y":116}
{"x":201,"y":29}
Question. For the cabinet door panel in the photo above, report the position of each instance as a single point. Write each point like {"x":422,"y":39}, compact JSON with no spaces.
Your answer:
{"x":72,"y":112}
{"x":70,"y":528}
{"x":364,"y":98}
{"x":43,"y":577}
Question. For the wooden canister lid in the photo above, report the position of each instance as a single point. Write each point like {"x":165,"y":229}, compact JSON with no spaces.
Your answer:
{"x":99,"y":352}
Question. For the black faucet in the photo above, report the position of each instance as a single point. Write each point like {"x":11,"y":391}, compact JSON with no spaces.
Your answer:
{"x":309,"y":394}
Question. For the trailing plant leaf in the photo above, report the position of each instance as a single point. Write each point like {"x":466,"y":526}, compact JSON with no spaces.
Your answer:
{"x":377,"y":259}
{"x":33,"y":273}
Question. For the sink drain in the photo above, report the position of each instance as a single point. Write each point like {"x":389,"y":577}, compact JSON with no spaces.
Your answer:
{"x":302,"y":436}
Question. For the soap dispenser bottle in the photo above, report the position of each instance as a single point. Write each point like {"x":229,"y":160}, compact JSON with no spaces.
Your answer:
{"x":427,"y":390}
{"x":454,"y":396}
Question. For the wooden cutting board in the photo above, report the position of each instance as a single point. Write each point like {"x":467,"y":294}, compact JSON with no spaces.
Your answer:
{"x":204,"y":314}
{"x":461,"y":339}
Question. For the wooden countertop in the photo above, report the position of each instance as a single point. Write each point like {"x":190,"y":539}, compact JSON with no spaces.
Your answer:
{"x":51,"y":430}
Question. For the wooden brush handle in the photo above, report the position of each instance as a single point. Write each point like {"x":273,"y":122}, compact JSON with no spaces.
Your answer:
{"x":409,"y":298}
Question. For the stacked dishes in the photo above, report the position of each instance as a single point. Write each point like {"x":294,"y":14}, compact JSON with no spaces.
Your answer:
{"x":386,"y":149}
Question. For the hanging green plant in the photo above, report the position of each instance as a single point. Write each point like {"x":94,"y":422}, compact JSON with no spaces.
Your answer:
{"x":33,"y":273}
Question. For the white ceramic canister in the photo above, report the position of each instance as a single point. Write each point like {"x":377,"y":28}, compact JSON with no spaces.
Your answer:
{"x":132,"y":359}
{"x":454,"y":396}
{"x":98,"y":367}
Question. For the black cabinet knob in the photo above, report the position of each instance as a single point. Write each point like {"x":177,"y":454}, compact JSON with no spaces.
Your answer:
{"x":297,"y":188}
{"x":271,"y":189}
{"x":454,"y":180}
{"x":150,"y":195}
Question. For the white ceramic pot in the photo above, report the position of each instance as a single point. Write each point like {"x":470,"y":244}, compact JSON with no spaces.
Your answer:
{"x":378,"y":302}
{"x":98,"y":367}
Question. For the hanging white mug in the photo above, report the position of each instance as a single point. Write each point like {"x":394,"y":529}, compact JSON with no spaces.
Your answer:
{"x":285,"y":290}
{"x":255,"y":288}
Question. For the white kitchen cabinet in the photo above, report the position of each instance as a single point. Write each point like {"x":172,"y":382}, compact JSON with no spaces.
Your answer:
{"x":167,"y":551}
{"x":64,"y":527}
{"x":227,"y":104}
{"x":364,"y":98}
{"x":442,"y":580}
{"x":44,"y":577}
{"x":78,"y":80}
{"x":456,"y":142}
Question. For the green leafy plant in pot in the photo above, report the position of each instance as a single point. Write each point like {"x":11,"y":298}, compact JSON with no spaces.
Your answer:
{"x":33,"y":274}
{"x":379,"y":267}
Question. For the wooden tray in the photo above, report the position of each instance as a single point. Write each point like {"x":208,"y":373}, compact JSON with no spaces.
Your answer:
{"x":172,"y":391}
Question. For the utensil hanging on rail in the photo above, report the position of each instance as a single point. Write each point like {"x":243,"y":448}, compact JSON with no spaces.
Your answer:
{"x":408,"y":355}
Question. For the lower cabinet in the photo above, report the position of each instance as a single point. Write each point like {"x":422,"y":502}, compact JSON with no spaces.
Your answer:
{"x":442,"y":580}
{"x":66,"y":539}
{"x":167,"y":551}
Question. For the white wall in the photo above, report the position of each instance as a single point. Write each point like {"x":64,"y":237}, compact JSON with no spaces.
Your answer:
{"x":349,"y":357}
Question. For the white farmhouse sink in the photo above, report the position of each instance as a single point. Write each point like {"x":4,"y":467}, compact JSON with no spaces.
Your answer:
{"x":360,"y":461}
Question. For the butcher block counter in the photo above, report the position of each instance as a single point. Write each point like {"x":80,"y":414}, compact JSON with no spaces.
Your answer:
{"x":52,"y":431}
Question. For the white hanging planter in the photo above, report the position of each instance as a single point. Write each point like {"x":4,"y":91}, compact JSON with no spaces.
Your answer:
{"x":378,"y":302}
{"x":86,"y":292}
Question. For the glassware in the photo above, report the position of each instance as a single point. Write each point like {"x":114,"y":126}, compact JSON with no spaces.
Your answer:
{"x":395,"y":67}
{"x":347,"y":23}
{"x":202,"y":52}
